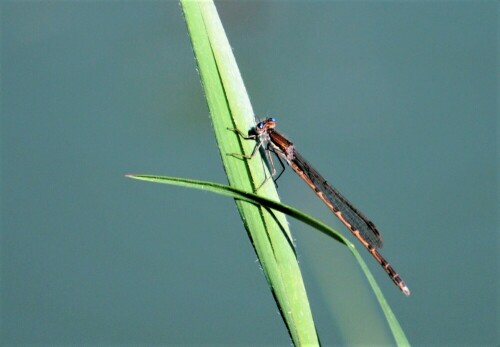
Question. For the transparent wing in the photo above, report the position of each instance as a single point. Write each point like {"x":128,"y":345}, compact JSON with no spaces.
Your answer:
{"x":337,"y":202}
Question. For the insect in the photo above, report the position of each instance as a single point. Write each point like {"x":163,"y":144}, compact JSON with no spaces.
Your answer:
{"x":359,"y":225}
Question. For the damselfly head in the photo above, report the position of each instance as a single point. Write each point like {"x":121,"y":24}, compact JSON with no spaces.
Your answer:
{"x":265,"y":125}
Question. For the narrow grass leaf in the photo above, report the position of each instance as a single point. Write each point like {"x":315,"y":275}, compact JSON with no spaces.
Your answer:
{"x":397,"y":331}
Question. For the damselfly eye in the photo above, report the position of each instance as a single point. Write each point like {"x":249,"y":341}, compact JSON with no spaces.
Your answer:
{"x":260,"y":125}
{"x":272,"y":119}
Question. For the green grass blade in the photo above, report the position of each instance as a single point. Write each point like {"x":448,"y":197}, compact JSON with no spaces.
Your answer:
{"x":230,"y":108}
{"x":225,"y":190}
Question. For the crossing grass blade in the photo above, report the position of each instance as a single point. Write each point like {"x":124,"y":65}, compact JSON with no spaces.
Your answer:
{"x":397,"y":331}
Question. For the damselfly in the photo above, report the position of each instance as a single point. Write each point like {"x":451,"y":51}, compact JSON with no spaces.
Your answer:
{"x":360,"y":226}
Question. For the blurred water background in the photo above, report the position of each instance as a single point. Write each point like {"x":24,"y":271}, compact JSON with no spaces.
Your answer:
{"x":395,"y":103}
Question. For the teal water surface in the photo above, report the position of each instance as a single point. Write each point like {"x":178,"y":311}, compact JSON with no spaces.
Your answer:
{"x":394,"y":103}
